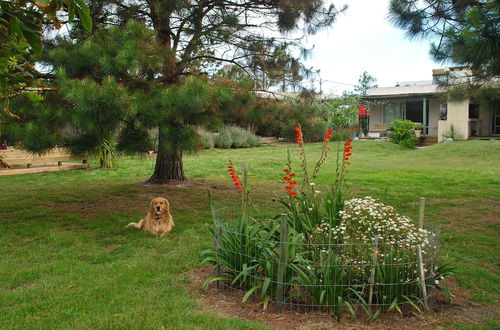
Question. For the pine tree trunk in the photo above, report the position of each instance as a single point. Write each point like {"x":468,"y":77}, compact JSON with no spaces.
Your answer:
{"x":169,"y":166}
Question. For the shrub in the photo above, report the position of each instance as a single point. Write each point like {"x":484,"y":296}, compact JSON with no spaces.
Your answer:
{"x":253,"y":140}
{"x":236,"y":137}
{"x":206,"y":139}
{"x":314,"y":129}
{"x":224,"y":139}
{"x":239,"y":137}
{"x":402,"y":133}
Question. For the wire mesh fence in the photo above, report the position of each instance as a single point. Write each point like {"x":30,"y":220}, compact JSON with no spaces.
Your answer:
{"x":266,"y":258}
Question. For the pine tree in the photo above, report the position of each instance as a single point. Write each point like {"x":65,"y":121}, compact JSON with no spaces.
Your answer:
{"x":467,"y":31}
{"x":196,"y":36}
{"x":365,"y":82}
{"x":185,"y":39}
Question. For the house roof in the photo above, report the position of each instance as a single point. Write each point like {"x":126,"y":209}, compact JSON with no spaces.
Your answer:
{"x":403,"y":91}
{"x":282,"y":95}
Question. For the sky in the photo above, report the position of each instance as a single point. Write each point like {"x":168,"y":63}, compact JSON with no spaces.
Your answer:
{"x":362,"y":39}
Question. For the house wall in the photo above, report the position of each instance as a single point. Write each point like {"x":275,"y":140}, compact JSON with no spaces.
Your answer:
{"x":442,"y":125}
{"x":375,"y":116}
{"x":434,"y":104}
{"x":458,"y":116}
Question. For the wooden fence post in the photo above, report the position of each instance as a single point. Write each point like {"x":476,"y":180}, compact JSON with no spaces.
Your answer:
{"x":372,"y":273}
{"x":420,"y":261}
{"x":422,"y":276}
{"x":421,"y":213}
{"x":283,"y":256}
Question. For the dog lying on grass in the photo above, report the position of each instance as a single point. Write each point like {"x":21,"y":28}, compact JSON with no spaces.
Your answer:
{"x":158,"y":219}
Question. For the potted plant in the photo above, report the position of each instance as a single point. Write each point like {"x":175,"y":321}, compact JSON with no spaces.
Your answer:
{"x":418,"y":129}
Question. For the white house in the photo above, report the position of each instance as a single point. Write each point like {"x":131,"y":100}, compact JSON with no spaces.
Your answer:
{"x":425,"y":102}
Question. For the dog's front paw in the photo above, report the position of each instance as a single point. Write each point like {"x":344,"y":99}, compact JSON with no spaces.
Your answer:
{"x":130,"y":225}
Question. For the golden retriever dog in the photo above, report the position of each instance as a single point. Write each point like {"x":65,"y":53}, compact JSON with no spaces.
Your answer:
{"x":158,"y":219}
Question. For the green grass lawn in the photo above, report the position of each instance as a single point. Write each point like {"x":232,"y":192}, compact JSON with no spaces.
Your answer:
{"x":68,"y":262}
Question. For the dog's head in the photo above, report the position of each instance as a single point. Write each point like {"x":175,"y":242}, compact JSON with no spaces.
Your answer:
{"x":159,"y":206}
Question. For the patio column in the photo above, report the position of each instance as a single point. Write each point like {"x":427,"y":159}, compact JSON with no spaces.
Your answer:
{"x":425,"y":128}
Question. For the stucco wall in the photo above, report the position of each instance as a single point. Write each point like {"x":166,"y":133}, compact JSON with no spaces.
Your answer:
{"x":434,"y":104}
{"x":458,"y":116}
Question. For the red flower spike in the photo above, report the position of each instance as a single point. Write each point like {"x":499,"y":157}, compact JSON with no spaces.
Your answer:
{"x":328,"y":135}
{"x":292,"y":175}
{"x":298,"y":135}
{"x":235,"y":178}
{"x":293,"y":193}
{"x":286,"y":170}
{"x":286,"y":178}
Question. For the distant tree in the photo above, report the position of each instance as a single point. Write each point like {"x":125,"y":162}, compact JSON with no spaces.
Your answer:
{"x":468,"y":31}
{"x":341,"y":112}
{"x":365,"y":82}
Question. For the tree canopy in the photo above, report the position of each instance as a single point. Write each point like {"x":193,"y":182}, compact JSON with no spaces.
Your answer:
{"x":154,"y":66}
{"x":365,"y":82}
{"x":197,"y":37}
{"x":467,"y":32}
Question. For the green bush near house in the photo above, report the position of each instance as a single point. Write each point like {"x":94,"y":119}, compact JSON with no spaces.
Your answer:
{"x":402,"y":133}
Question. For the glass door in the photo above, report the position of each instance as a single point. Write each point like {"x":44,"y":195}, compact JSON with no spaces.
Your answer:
{"x":496,"y":118}
{"x":417,"y":113}
{"x":393,"y":111}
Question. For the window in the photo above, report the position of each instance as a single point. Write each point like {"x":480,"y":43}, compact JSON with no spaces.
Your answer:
{"x":473,"y":111}
{"x":393,"y":111}
{"x":440,"y":79}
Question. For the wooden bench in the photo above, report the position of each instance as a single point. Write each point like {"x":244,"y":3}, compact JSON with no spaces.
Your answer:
{"x":22,"y":162}
{"x":380,"y":128}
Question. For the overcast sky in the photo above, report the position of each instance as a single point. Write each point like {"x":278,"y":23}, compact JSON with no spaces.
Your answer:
{"x":363,"y":39}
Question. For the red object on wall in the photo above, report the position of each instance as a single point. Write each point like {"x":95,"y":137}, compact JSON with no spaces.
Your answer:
{"x":363,"y":110}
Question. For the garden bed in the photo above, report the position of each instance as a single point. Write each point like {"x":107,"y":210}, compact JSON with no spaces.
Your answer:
{"x":227,"y":303}
{"x":326,"y":270}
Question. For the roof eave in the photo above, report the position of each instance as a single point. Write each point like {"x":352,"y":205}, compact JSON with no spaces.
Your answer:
{"x":398,"y":96}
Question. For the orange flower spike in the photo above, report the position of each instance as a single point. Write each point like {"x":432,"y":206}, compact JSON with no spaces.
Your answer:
{"x":328,"y":135}
{"x":298,"y":135}
{"x":235,"y":178}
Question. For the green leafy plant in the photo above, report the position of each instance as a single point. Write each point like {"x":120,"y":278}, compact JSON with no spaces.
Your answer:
{"x":326,"y":279}
{"x":453,"y":133}
{"x":402,"y":133}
